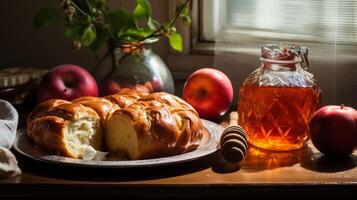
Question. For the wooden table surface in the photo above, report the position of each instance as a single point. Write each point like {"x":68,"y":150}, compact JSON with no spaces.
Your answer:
{"x":294,"y":175}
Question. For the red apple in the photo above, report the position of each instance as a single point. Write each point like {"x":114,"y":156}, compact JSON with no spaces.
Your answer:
{"x":209,"y":91}
{"x":334,"y":130}
{"x":67,"y":82}
{"x":109,"y":87}
{"x":156,"y":85}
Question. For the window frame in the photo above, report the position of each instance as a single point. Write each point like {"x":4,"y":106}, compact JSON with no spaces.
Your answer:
{"x":199,"y":53}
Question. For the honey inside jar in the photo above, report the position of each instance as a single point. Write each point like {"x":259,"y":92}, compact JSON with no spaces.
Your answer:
{"x":278,"y":99}
{"x":277,"y":118}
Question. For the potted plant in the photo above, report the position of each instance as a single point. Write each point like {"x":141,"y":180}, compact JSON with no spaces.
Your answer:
{"x":129,"y":62}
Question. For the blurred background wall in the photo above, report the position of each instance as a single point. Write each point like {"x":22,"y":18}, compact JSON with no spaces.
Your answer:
{"x":21,"y":44}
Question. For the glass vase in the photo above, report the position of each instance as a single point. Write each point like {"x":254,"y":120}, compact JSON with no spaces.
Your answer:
{"x":133,"y":66}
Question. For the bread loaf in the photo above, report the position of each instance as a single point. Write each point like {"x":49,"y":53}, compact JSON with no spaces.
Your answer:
{"x":102,"y":106}
{"x":141,"y":125}
{"x":69,"y":129}
{"x":156,"y":125}
{"x":42,"y":109}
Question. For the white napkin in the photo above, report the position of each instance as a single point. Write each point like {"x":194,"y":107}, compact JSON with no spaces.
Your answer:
{"x":8,"y":164}
{"x":8,"y":126}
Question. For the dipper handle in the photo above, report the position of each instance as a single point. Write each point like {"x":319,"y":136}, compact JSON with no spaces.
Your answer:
{"x":234,"y":142}
{"x":233,"y":119}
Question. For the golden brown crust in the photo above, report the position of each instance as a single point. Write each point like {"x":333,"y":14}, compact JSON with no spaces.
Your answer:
{"x":165,"y":125}
{"x":123,"y":100}
{"x":43,"y":107}
{"x":47,"y":132}
{"x":102,"y":106}
{"x":70,"y":111}
{"x":48,"y":129}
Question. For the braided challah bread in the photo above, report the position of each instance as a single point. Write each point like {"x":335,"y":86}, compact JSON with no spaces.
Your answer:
{"x":102,"y":106}
{"x":140,"y":125}
{"x":67,"y":129}
{"x":156,"y":125}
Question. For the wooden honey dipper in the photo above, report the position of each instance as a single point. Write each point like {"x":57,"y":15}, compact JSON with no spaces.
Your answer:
{"x":234,"y":142}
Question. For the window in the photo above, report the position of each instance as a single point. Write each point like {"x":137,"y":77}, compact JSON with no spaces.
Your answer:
{"x":327,"y":27}
{"x":230,"y":33}
{"x":318,"y":21}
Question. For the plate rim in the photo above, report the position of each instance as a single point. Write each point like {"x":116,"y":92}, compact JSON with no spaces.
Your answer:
{"x":212,"y":145}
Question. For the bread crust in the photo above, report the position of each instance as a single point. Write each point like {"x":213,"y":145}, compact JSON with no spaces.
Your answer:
{"x":48,"y":129}
{"x":164,"y":124}
{"x":43,"y":107}
{"x":102,"y":106}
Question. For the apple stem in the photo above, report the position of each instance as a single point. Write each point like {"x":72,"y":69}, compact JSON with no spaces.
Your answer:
{"x":342,"y":105}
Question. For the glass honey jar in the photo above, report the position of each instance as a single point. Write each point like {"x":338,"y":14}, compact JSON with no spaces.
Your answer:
{"x":278,"y":99}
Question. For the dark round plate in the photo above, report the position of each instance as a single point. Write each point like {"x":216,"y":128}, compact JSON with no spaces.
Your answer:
{"x":209,"y":145}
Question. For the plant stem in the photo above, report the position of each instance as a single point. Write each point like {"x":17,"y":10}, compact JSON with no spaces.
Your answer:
{"x":173,"y":21}
{"x":158,"y":32}
{"x":114,"y":66}
{"x":98,"y":22}
{"x":105,"y":28}
{"x":89,"y":8}
{"x":78,"y":8}
{"x":100,"y":62}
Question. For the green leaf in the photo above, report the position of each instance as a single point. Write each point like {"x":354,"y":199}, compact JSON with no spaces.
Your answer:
{"x":119,"y":20}
{"x":73,"y":32}
{"x":88,"y":36}
{"x":175,"y":40}
{"x":151,"y":24}
{"x":102,"y":37}
{"x":145,"y":4}
{"x":46,"y":16}
{"x":139,"y":12}
{"x":131,"y":35}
